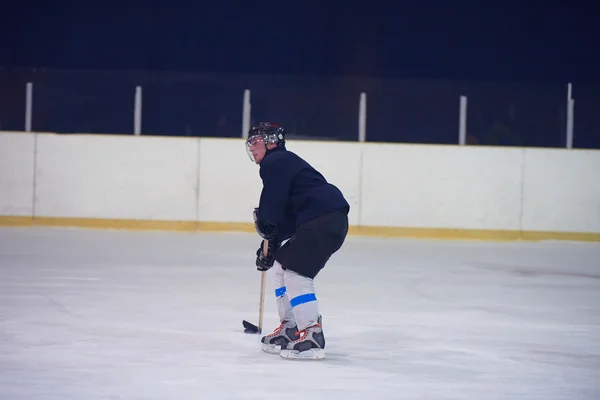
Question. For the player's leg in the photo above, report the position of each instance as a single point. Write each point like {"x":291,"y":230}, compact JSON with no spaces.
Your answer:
{"x":314,"y":244}
{"x":286,"y":331}
{"x":310,"y":342}
{"x":284,"y":308}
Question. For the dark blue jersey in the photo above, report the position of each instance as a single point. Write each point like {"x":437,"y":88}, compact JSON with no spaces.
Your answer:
{"x":294,"y":192}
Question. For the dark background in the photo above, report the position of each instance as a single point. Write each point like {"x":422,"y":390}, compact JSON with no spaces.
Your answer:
{"x":306,"y":64}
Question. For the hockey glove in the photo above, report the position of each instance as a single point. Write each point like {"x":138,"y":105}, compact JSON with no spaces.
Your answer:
{"x":266,"y":230}
{"x":264,"y":263}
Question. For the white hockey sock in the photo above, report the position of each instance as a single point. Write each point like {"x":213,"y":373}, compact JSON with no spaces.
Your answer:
{"x":283,"y":301}
{"x":301,"y":291}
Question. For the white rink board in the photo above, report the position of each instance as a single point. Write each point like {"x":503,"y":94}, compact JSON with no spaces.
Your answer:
{"x":561,"y":191}
{"x":229,"y":182}
{"x":16,"y":173}
{"x":441,"y":187}
{"x":127,"y":177}
{"x":387,"y":185}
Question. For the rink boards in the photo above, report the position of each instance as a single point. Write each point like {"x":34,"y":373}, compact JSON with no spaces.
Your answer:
{"x":173,"y":183}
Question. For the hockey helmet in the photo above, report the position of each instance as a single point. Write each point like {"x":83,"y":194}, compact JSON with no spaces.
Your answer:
{"x":267,"y":132}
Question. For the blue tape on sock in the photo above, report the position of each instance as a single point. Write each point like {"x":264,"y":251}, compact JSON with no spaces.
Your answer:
{"x":303,"y":298}
{"x":280,"y":291}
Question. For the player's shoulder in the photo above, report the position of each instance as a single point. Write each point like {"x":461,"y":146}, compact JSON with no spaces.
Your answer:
{"x":281,"y":163}
{"x":280,"y":158}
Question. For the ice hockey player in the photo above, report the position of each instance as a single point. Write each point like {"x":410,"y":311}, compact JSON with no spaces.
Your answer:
{"x":299,"y":207}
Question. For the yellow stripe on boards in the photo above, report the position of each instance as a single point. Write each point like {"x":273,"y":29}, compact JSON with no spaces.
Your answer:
{"x":372,"y":231}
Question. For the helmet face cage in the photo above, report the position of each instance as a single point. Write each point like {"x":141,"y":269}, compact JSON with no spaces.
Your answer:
{"x":250,"y":142}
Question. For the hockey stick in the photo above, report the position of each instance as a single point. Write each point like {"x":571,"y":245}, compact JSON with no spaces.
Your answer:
{"x":249,"y":327}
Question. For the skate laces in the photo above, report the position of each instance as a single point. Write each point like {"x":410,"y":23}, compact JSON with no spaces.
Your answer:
{"x":277,"y":330}
{"x":302,"y":334}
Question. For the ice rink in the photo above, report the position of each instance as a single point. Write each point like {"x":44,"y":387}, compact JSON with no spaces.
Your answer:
{"x":91,"y":314}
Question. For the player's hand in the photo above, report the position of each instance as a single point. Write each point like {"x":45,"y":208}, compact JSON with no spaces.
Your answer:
{"x":264,"y":263}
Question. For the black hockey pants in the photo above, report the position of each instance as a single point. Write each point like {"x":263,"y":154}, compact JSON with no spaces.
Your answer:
{"x":314,"y":242}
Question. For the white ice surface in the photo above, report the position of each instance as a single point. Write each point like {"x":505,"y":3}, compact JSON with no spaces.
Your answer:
{"x":90,"y":314}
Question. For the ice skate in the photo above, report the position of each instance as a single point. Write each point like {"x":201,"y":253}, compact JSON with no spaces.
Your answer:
{"x":310,"y":345}
{"x":281,"y":336}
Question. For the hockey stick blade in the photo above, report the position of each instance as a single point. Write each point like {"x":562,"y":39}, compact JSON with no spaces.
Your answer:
{"x":250,"y":328}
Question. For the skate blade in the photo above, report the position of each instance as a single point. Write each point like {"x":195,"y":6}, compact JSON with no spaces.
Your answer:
{"x":312,"y":354}
{"x":271,"y":349}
